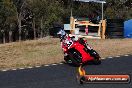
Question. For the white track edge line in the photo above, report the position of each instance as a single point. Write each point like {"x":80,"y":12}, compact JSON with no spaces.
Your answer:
{"x":29,"y":67}
{"x":21,"y":68}
{"x":46,"y":65}
{"x":37,"y":66}
{"x":60,"y":63}
{"x":103,"y":58}
{"x":4,"y":70}
{"x":13,"y":69}
{"x":110,"y":57}
{"x":56,"y":64}
{"x":117,"y":56}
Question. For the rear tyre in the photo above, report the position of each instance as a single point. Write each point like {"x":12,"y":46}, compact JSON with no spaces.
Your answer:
{"x":74,"y":57}
{"x":71,"y":61}
{"x":67,"y":60}
{"x":74,"y":62}
{"x":97,"y":61}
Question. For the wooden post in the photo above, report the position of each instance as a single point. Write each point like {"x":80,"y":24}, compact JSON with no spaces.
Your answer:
{"x":99,"y":29}
{"x":103,"y":28}
{"x":72,"y":24}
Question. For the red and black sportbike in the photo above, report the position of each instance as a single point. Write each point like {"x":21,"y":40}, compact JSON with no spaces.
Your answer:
{"x":78,"y":52}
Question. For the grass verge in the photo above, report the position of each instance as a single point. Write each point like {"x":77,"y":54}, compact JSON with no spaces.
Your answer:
{"x":48,"y":50}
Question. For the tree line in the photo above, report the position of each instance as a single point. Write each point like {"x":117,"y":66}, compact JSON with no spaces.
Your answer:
{"x":32,"y":19}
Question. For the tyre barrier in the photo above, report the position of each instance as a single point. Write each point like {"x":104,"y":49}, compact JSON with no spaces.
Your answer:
{"x":115,"y":28}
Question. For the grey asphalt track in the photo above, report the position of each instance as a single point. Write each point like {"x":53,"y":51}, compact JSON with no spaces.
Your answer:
{"x":64,"y":76}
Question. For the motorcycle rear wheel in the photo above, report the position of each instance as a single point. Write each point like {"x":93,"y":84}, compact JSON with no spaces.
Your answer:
{"x":97,"y":61}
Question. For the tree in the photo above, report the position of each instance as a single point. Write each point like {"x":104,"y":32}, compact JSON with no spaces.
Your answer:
{"x":8,"y":17}
{"x":45,"y":14}
{"x":118,"y":8}
{"x":39,"y":9}
{"x":19,"y":6}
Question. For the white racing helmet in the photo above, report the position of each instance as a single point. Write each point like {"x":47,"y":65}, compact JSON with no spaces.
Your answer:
{"x":61,"y":34}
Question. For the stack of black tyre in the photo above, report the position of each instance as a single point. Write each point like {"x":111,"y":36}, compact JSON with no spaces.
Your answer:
{"x":115,"y":28}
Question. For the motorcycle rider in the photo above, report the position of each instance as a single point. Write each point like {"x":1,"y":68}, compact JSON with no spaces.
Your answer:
{"x":66,"y":40}
{"x":61,"y":34}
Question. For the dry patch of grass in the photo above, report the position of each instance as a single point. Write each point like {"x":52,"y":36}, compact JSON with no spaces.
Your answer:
{"x":112,"y":47}
{"x":48,"y":50}
{"x":30,"y":53}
